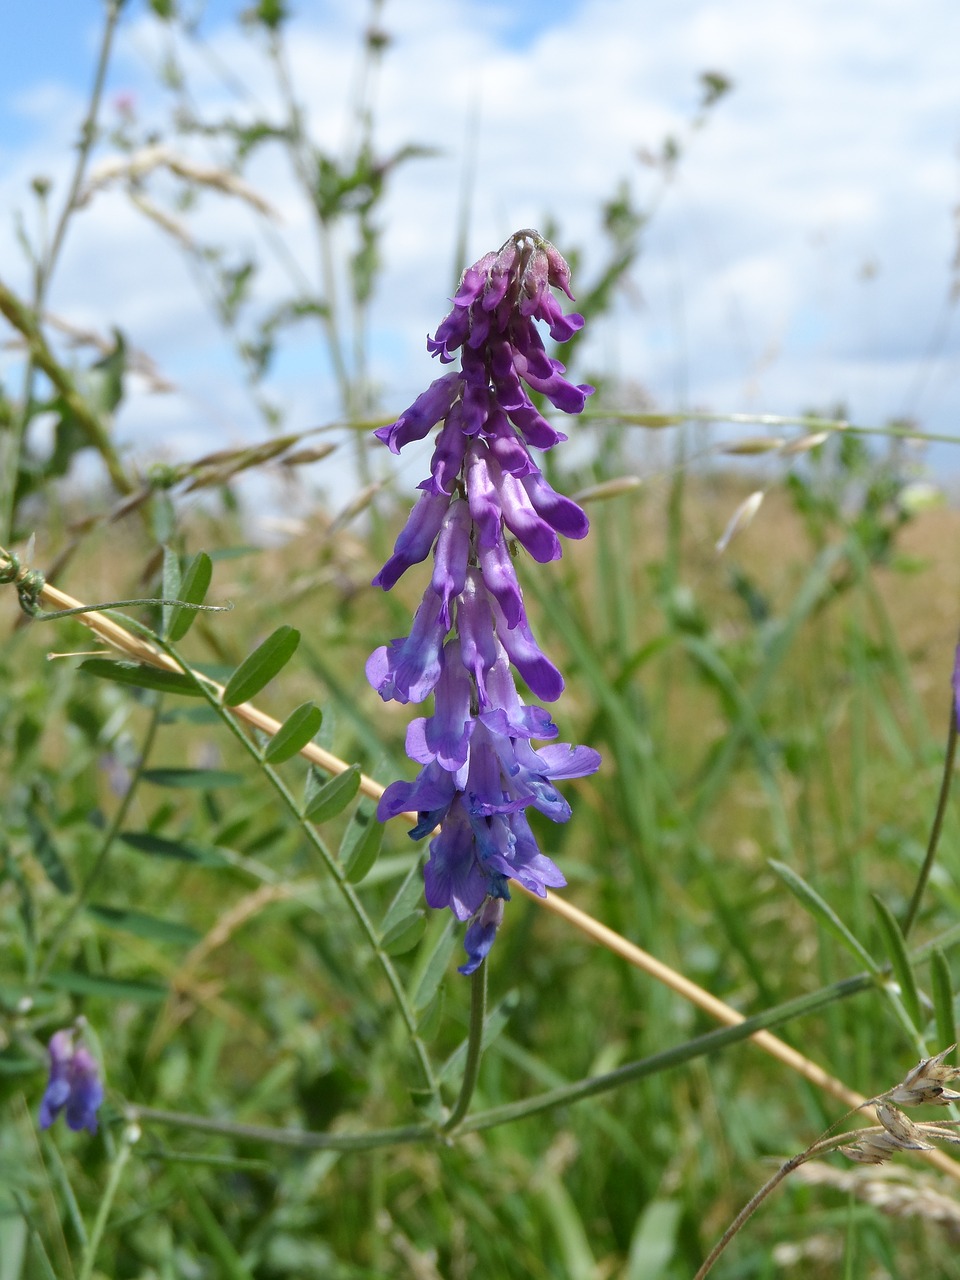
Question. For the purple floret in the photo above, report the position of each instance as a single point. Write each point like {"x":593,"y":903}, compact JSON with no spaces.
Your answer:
{"x":73,"y":1084}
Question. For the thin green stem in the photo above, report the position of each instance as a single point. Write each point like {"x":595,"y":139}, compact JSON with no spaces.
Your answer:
{"x":88,"y":136}
{"x":709,"y":1043}
{"x":471,"y":1070}
{"x":823,"y":1146}
{"x":299,"y":1138}
{"x":106,"y":1204}
{"x":93,"y":875}
{"x":347,"y":890}
{"x":307,"y":180}
{"x":934,"y":841}
{"x":45,"y":266}
{"x":107,"y":605}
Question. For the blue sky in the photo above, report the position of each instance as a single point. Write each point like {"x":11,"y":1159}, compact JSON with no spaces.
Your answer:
{"x":801,"y":255}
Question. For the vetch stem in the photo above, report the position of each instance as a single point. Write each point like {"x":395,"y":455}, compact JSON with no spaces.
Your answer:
{"x":130,"y":1136}
{"x":478,"y":1012}
{"x":932,"y":844}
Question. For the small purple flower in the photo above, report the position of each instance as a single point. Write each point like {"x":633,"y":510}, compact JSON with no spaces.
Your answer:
{"x":416,"y":538}
{"x":74,"y":1084}
{"x":481,"y":934}
{"x":480,"y":771}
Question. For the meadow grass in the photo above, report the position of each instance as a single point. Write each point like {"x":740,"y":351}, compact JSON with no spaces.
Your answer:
{"x":802,"y":730}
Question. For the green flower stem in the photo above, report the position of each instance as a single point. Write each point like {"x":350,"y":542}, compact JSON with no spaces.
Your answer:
{"x":347,"y":890}
{"x":106,"y":1204}
{"x":935,"y":831}
{"x":701,"y":1046}
{"x":211,"y":693}
{"x":709,"y":1043}
{"x":302,"y":1139}
{"x":66,"y":924}
{"x":478,"y":1011}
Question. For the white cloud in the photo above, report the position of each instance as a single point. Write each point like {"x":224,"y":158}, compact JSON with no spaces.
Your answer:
{"x":836,"y":151}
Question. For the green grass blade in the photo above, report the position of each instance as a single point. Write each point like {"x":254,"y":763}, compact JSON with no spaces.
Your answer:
{"x":179,"y":850}
{"x":942,"y":987}
{"x":46,"y":853}
{"x":571,"y":1237}
{"x":146,"y":926}
{"x":654,"y":1240}
{"x":192,"y":779}
{"x":89,"y":984}
{"x":823,"y":912}
{"x":230,"y":1264}
{"x":896,"y":950}
{"x":170,"y":589}
{"x":432,"y":963}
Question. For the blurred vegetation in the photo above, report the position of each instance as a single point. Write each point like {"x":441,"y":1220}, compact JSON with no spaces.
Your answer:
{"x":786,"y":701}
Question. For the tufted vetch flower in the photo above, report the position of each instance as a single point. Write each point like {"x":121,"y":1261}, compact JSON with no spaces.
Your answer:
{"x":484,"y":500}
{"x":73,"y":1084}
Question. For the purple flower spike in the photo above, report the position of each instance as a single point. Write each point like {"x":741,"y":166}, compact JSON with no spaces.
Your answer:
{"x":73,"y":1083}
{"x":445,"y":736}
{"x":541,"y":675}
{"x":475,"y":622}
{"x":480,"y":770}
{"x":484,"y":486}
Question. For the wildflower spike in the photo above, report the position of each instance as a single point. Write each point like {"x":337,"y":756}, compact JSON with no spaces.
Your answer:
{"x":480,"y":770}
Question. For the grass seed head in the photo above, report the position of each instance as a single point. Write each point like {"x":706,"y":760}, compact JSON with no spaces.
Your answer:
{"x":926,"y":1083}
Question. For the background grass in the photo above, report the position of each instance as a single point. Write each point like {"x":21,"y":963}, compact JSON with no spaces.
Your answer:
{"x":731,"y":733}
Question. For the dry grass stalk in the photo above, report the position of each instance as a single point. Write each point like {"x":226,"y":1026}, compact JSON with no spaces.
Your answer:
{"x":741,"y":518}
{"x":888,"y":1191}
{"x":924,"y":1083}
{"x":133,"y":168}
{"x":608,"y":489}
{"x":137,"y":361}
